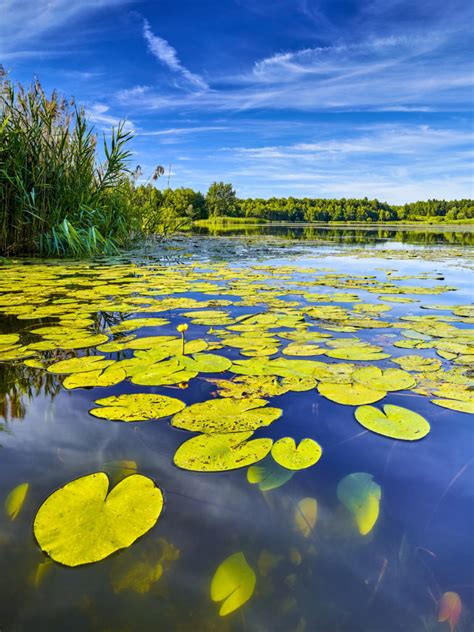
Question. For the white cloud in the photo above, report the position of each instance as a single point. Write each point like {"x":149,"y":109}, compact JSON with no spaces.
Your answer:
{"x":168,"y":56}
{"x":98,"y":113}
{"x":24,"y":21}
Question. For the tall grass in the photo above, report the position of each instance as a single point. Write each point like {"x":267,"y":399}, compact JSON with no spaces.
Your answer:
{"x":56,"y":197}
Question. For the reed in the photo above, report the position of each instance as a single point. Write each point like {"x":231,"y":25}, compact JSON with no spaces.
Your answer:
{"x":56,"y":197}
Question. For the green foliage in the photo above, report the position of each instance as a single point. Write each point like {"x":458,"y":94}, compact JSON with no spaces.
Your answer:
{"x":56,"y":198}
{"x":221,"y":200}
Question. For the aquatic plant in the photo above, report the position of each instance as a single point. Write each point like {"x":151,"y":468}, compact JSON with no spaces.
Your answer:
{"x":56,"y":198}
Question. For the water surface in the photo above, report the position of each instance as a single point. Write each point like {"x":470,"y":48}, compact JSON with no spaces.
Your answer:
{"x":335,"y":578}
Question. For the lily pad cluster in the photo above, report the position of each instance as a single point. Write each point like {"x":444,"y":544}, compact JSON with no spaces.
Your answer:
{"x":255,"y":335}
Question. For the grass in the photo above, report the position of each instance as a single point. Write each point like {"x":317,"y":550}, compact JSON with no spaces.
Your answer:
{"x":226,"y":220}
{"x":56,"y":197}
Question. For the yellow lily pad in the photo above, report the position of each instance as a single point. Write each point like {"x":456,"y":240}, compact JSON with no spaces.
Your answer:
{"x":233,"y":583}
{"x":226,"y":415}
{"x":287,"y":454}
{"x":136,"y":407}
{"x":395,"y":422}
{"x":82,"y":522}
{"x":350,"y":394}
{"x":221,"y":452}
{"x":384,"y":380}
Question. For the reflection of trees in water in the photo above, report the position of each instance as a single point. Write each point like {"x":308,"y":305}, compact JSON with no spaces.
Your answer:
{"x":361,"y":236}
{"x":20,"y":384}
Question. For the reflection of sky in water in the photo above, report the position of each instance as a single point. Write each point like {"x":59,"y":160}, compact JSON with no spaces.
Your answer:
{"x":424,"y":533}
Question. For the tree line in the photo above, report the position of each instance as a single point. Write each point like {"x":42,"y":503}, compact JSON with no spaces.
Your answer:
{"x":221,"y":201}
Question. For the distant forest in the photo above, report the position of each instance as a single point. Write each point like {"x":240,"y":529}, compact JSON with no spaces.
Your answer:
{"x":221,"y":201}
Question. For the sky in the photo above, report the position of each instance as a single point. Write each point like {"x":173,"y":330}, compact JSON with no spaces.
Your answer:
{"x":309,"y":98}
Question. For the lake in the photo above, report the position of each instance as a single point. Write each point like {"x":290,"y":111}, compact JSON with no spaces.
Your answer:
{"x":359,"y":342}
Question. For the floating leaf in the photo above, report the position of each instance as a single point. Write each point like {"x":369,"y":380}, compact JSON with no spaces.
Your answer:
{"x":449,"y":609}
{"x":305,"y":516}
{"x":233,"y":583}
{"x":16,"y":499}
{"x":287,"y":454}
{"x":350,"y":394}
{"x":395,"y":422}
{"x":136,"y":407}
{"x":83,"y":522}
{"x":452,"y":404}
{"x":226,"y":415}
{"x":90,"y":379}
{"x":207,"y":363}
{"x":220,"y":452}
{"x":361,"y":495}
{"x":386,"y":380}
{"x":80,"y":365}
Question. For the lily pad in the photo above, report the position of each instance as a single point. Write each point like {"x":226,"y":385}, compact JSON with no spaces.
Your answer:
{"x":83,"y":522}
{"x":136,"y":407}
{"x":384,"y":380}
{"x":287,"y":454}
{"x":350,"y":394}
{"x":361,"y":495}
{"x":221,"y":452}
{"x":233,"y":583}
{"x":226,"y":415}
{"x":395,"y":422}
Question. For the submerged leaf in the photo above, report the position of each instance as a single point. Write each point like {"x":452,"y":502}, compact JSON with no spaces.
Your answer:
{"x":83,"y":522}
{"x":361,"y":495}
{"x":268,"y":475}
{"x":449,"y":609}
{"x":305,"y":516}
{"x":233,"y":583}
{"x":395,"y":422}
{"x":16,"y":499}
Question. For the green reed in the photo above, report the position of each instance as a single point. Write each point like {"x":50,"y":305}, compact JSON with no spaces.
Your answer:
{"x":56,"y":197}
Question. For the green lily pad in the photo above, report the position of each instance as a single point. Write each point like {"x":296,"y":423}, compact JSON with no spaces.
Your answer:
{"x":457,"y":405}
{"x":350,"y":394}
{"x":83,"y":522}
{"x":80,"y":365}
{"x":136,"y":407}
{"x":287,"y":454}
{"x":226,"y":415}
{"x":384,"y":380}
{"x":221,"y":452}
{"x":395,"y":422}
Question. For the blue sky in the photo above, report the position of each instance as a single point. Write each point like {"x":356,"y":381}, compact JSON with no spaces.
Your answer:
{"x":319,"y":98}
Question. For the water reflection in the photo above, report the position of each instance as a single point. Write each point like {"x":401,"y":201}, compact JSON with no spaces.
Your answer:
{"x":367,"y":235}
{"x":330,"y":579}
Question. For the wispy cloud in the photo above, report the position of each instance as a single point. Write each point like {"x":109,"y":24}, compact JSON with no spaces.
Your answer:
{"x":99,"y":114}
{"x":185,"y":131}
{"x":168,"y":56}
{"x":26,"y":21}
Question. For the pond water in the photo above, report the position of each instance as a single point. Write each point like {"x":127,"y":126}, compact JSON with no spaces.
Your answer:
{"x":366,"y":539}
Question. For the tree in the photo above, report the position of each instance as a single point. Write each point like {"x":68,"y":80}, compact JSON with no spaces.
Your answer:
{"x":221,"y":200}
